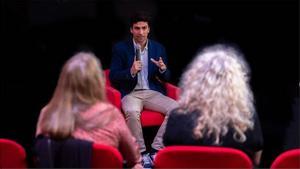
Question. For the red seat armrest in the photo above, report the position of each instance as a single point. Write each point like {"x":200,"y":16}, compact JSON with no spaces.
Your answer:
{"x":113,"y":96}
{"x":172,"y":91}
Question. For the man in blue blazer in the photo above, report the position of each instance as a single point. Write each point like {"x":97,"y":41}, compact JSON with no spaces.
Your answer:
{"x":138,"y":68}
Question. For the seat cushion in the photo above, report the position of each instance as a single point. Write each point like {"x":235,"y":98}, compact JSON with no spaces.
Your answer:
{"x":151,"y":118}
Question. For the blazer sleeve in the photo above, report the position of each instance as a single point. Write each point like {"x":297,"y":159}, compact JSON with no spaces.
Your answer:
{"x":119,"y":71}
{"x":165,"y":76}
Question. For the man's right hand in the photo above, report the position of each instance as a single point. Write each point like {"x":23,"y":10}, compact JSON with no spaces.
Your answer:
{"x":136,"y":66}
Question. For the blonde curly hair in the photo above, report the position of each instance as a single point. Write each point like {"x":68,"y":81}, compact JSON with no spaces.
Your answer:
{"x":216,"y":85}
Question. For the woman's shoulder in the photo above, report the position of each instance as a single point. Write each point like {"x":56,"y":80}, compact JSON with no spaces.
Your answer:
{"x":184,"y":113}
{"x":180,"y":127}
{"x":101,"y":108}
{"x":184,"y":117}
{"x":105,"y":106}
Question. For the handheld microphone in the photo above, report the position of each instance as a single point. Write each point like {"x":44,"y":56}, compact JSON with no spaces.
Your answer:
{"x":138,"y":53}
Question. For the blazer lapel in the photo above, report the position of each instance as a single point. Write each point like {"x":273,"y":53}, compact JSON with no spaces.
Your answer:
{"x":151,"y":65}
{"x":130,"y":51}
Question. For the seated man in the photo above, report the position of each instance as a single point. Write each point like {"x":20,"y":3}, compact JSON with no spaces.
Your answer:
{"x":138,"y":66}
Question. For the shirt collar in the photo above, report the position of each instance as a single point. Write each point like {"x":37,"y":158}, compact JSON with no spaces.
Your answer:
{"x":135,"y":45}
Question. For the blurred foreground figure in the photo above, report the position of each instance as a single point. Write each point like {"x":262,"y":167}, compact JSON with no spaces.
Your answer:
{"x":78,"y":109}
{"x":216,"y":104}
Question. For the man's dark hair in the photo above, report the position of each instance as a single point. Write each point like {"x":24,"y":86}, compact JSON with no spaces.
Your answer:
{"x":140,"y":16}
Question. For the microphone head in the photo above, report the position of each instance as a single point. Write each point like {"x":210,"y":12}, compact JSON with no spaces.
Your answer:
{"x":138,"y":53}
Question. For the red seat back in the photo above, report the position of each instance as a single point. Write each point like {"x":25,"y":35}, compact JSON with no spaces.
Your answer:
{"x":201,"y":157}
{"x":12,"y":154}
{"x":106,"y":157}
{"x":288,"y":159}
{"x":107,"y":81}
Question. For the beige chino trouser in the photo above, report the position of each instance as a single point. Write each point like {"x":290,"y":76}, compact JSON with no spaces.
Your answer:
{"x":133,"y":104}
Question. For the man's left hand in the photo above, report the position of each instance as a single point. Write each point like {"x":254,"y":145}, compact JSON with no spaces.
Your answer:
{"x":160,"y":63}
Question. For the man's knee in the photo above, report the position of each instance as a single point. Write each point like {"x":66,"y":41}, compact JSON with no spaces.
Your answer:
{"x":173,"y":105}
{"x":132,"y":115}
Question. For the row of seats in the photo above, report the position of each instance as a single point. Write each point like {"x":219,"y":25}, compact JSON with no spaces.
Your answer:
{"x":12,"y":155}
{"x":217,"y":157}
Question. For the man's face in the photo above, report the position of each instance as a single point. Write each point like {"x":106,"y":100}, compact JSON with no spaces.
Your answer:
{"x":140,"y":31}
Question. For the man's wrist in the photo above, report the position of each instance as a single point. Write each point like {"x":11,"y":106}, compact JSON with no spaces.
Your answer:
{"x":162,"y":70}
{"x":132,"y":73}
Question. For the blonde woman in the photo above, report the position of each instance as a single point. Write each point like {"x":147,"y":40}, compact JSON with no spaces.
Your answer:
{"x":79,"y":109}
{"x":216,"y":104}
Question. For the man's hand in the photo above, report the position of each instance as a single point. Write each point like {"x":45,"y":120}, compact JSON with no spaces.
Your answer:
{"x":136,"y":66}
{"x":160,"y":63}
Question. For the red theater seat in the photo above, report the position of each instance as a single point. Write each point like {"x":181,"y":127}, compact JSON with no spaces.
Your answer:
{"x":288,"y":159}
{"x":12,"y":154}
{"x":201,"y":157}
{"x":106,"y":157}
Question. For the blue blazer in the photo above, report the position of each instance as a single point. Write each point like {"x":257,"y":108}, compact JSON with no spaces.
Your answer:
{"x":122,"y":58}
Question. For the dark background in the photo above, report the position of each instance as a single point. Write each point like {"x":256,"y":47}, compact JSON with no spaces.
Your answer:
{"x":38,"y":36}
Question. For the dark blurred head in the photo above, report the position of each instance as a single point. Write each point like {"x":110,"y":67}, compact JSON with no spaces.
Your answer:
{"x":140,"y":16}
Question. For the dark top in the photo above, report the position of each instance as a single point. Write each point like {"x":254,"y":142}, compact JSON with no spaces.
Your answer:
{"x":66,"y":153}
{"x":122,"y":58}
{"x":179,"y":131}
